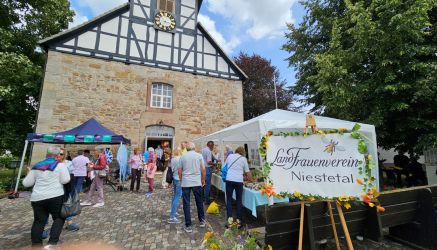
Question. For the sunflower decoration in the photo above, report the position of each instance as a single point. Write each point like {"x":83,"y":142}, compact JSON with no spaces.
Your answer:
{"x":345,"y":201}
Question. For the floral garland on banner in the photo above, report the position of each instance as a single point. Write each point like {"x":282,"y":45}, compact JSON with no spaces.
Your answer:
{"x":369,"y":195}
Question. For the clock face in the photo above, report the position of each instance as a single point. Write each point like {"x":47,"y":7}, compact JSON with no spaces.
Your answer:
{"x":165,"y":21}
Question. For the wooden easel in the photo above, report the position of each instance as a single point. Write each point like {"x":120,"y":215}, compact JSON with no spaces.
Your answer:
{"x":302,"y":209}
{"x":334,"y":228}
{"x":344,"y":226}
{"x":310,"y":122}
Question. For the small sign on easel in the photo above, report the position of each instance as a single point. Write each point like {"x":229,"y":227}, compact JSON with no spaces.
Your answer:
{"x":310,"y":122}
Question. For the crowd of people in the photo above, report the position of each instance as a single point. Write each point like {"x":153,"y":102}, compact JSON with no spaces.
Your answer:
{"x":58,"y":177}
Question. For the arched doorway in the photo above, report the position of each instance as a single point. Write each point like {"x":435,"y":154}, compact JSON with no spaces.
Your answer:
{"x":159,"y":134}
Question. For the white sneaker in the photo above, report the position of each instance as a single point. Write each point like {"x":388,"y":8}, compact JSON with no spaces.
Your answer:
{"x":86,"y":203}
{"x":51,"y":247}
{"x":173,"y":221}
{"x":99,"y":204}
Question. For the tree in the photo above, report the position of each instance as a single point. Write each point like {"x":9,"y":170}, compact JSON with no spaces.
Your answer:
{"x":372,"y":62}
{"x":22,"y":24}
{"x":258,"y":89}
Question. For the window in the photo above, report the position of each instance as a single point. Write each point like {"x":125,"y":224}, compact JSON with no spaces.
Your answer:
{"x":162,"y":96}
{"x":167,"y":5}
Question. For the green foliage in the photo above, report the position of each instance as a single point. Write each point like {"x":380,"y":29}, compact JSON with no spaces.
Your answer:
{"x":22,"y":24}
{"x":233,"y":238}
{"x":19,"y":85}
{"x":258,"y":89}
{"x":5,"y":160}
{"x":372,"y":62}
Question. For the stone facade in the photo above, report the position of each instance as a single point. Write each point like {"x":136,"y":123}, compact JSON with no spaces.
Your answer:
{"x":77,"y":88}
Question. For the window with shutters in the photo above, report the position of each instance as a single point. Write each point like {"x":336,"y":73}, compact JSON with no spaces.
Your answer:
{"x":161,"y":96}
{"x":166,"y":5}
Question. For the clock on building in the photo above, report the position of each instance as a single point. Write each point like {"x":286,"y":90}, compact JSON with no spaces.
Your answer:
{"x":165,"y":21}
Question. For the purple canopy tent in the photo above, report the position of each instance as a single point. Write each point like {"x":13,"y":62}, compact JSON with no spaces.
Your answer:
{"x":90,"y":132}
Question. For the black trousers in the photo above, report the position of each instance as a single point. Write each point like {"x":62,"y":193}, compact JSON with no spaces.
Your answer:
{"x":238,"y":187}
{"x":41,"y":211}
{"x":136,"y":176}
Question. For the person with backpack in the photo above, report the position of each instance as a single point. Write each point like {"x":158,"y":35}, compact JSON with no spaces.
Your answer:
{"x":177,"y":189}
{"x":237,"y":168}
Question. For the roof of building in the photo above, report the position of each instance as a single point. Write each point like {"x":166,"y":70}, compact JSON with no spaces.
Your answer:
{"x":81,"y":27}
{"x":46,"y":42}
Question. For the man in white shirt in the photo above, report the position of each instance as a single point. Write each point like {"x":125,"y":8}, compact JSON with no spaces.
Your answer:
{"x":192,"y":176}
{"x":80,"y":164}
{"x":209,"y":163}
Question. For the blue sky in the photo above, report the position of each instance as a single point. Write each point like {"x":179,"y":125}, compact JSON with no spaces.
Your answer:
{"x":251,"y":26}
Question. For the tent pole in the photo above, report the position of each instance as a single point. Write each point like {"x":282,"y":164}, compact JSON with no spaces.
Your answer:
{"x":222,"y":151}
{"x":21,"y":165}
{"x":119,"y":168}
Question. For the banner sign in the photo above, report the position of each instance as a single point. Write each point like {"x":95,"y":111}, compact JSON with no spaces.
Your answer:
{"x":326,"y":166}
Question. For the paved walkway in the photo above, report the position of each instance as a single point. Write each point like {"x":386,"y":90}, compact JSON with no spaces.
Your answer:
{"x":133,"y":221}
{"x":128,"y":220}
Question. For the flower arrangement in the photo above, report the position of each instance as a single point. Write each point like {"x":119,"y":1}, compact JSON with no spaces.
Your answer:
{"x":232,"y":239}
{"x":267,"y":189}
{"x":369,"y":195}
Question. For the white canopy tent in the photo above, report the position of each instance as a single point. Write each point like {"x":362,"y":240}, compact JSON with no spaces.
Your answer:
{"x":251,"y":131}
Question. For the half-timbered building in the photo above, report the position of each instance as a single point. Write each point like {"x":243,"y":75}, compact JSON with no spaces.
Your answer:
{"x":147,"y":69}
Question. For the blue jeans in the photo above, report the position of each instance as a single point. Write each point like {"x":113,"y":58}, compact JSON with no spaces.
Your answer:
{"x":177,"y":193}
{"x":78,"y":182}
{"x":206,"y":198}
{"x":238,"y":187}
{"x":197,"y":191}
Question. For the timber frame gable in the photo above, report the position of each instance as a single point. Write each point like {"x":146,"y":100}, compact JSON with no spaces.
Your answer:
{"x":127,"y":34}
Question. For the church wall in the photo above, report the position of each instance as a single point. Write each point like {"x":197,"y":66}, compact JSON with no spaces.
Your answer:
{"x":117,"y":94}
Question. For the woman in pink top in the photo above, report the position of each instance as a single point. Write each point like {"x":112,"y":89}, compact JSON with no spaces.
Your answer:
{"x":135,"y":163}
{"x":151,"y":169}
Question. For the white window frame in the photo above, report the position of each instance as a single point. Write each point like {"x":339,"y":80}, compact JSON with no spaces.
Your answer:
{"x":157,"y":97}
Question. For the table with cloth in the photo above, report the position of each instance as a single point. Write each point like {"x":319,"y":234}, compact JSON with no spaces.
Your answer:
{"x":251,"y":198}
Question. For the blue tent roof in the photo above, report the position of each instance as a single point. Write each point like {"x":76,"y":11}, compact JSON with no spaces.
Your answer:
{"x":91,"y":132}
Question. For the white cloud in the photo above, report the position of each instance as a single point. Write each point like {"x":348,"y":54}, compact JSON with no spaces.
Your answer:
{"x":98,"y":7}
{"x":260,"y":18}
{"x":209,"y":24}
{"x":77,"y":19}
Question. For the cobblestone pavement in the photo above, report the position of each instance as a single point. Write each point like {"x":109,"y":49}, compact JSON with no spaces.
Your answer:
{"x":128,"y":220}
{"x":132,"y":221}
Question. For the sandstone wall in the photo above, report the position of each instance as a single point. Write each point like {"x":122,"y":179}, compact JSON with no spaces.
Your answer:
{"x":77,"y":88}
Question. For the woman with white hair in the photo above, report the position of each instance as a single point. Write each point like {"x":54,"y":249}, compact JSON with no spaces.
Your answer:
{"x":47,"y":178}
{"x":151,"y":169}
{"x":97,"y":183}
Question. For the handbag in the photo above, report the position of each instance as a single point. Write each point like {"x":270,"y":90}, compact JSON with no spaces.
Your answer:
{"x":101,"y":173}
{"x":71,"y":207}
{"x":169,"y":176}
{"x":225,"y":169}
